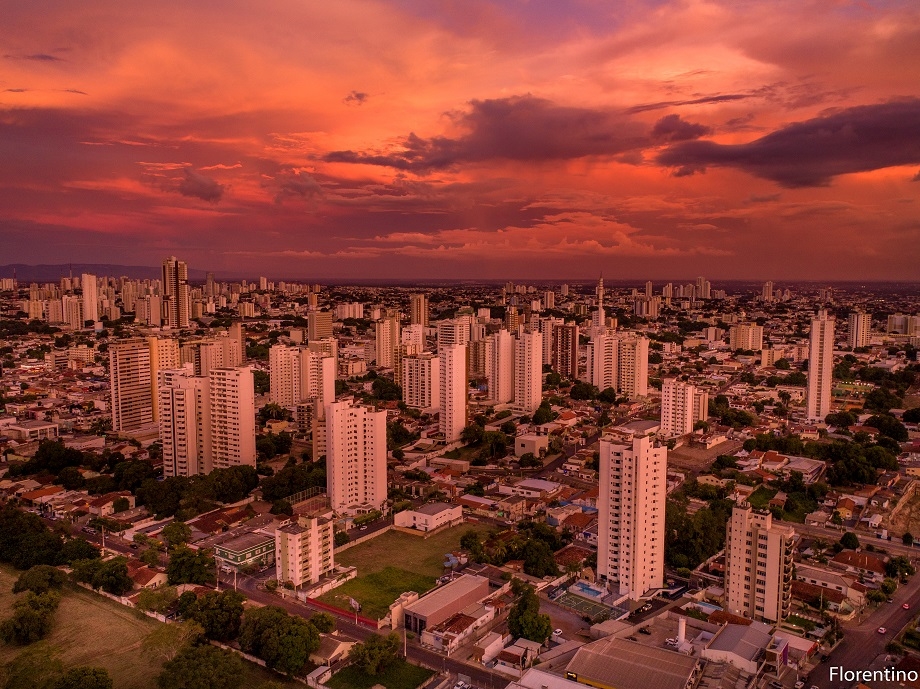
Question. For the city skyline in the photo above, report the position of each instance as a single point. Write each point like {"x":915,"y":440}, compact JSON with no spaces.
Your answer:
{"x":505,"y":139}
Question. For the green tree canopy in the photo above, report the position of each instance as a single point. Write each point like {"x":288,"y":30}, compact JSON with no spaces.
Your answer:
{"x":525,"y":620}
{"x":187,"y":566}
{"x":219,"y":614}
{"x":202,"y":667}
{"x":84,"y":678}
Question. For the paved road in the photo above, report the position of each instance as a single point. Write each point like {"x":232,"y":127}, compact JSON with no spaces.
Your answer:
{"x":895,"y":547}
{"x":862,"y":643}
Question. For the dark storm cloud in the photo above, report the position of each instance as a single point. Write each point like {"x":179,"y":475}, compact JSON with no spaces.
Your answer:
{"x":811,"y":153}
{"x":673,"y":128}
{"x":290,"y":183}
{"x":36,"y":57}
{"x":356,"y":98}
{"x":523,"y":128}
{"x":201,"y":186}
{"x":645,"y":107}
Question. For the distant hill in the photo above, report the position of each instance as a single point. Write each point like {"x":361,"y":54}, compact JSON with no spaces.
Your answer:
{"x":53,"y":273}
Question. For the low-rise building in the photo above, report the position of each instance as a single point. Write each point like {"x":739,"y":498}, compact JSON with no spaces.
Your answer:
{"x":430,"y":516}
{"x":303,"y":551}
{"x":443,"y":602}
{"x":624,"y":664}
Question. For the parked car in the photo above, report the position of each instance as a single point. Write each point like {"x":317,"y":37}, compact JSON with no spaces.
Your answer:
{"x":645,"y":630}
{"x":906,"y":606}
{"x":557,"y":633}
{"x":882,"y":630}
{"x":800,"y":684}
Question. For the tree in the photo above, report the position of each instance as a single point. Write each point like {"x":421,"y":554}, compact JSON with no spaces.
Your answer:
{"x":84,"y":678}
{"x":166,"y":641}
{"x":157,"y":600}
{"x":583,"y":391}
{"x":525,"y":620}
{"x":219,"y":614}
{"x":283,"y":641}
{"x":282,"y":507}
{"x":120,"y":505}
{"x":876,"y":596}
{"x":202,"y":667}
{"x":911,"y":415}
{"x":849,"y":541}
{"x":341,"y":538}
{"x":539,"y":560}
{"x":177,"y":533}
{"x":78,"y":549}
{"x":889,"y":586}
{"x":472,"y":434}
{"x":376,"y":654}
{"x":112,"y":577}
{"x":323,"y":621}
{"x":273,"y":412}
{"x":32,"y":618}
{"x":543,"y":414}
{"x":907,"y":538}
{"x":189,"y":567}
{"x":889,"y":426}
{"x":40,"y":579}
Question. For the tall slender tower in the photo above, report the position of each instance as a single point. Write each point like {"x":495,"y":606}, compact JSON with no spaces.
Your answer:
{"x":356,"y":457}
{"x":176,"y":292}
{"x":599,"y":321}
{"x":859,"y":330}
{"x":131,"y":385}
{"x":232,"y":417}
{"x":500,"y":366}
{"x":528,"y":371}
{"x":418,"y":309}
{"x":631,"y":507}
{"x":453,"y":397}
{"x":90,"y":297}
{"x":820,"y":368}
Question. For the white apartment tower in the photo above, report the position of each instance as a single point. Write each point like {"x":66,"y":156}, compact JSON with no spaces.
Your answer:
{"x":164,"y":355}
{"x":387,"y":340}
{"x":528,"y":371}
{"x":356,"y":457}
{"x":745,"y":336}
{"x":304,"y":551}
{"x":418,"y":310}
{"x":603,"y":352}
{"x":631,"y":509}
{"x":183,"y":402}
{"x":231,"y":396}
{"x":90,"y":297}
{"x":500,"y":366}
{"x":176,"y":292}
{"x":421,"y":385}
{"x":131,"y":385}
{"x":456,"y":331}
{"x":599,"y":320}
{"x":632,"y":366}
{"x":297,"y":374}
{"x":820,"y":368}
{"x":758,"y":565}
{"x":682,"y":405}
{"x":859,"y":329}
{"x":453,"y":398}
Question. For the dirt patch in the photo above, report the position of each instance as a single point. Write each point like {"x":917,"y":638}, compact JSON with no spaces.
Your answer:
{"x":906,"y":517}
{"x":698,"y":458}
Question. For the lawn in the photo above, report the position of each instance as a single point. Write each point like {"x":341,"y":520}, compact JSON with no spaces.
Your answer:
{"x":761,"y":497}
{"x":377,"y":590}
{"x":400,"y":675}
{"x":413,"y":553}
{"x":392,"y":564}
{"x":91,"y":630}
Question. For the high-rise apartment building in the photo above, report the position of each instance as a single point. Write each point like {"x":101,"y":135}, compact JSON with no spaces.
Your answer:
{"x":758,"y":565}
{"x":387,"y":339}
{"x":528,"y":371}
{"x":297,"y":374}
{"x":565,"y":350}
{"x":131,"y":386}
{"x":73,"y":311}
{"x":418,"y":309}
{"x":421,"y":384}
{"x":176,"y":295}
{"x":767,"y":292}
{"x":356,"y":457}
{"x":304,"y":551}
{"x":319,"y":325}
{"x":747,"y":336}
{"x":183,"y":404}
{"x":232,"y":417}
{"x":632,"y":366}
{"x":682,"y":405}
{"x":499,"y":366}
{"x":452,"y":403}
{"x":603,"y":351}
{"x":546,"y":326}
{"x":859,"y":329}
{"x":90,"y":297}
{"x":455,"y":331}
{"x":164,"y":355}
{"x":599,"y":319}
{"x":820,"y":368}
{"x":631,"y":509}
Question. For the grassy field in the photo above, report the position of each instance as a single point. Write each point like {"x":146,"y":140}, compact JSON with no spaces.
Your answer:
{"x":377,"y":590}
{"x":392,"y":564}
{"x":91,"y":630}
{"x":400,"y":675}
{"x":761,"y":497}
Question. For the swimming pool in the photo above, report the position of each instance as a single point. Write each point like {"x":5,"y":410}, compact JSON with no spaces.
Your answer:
{"x":583,"y":588}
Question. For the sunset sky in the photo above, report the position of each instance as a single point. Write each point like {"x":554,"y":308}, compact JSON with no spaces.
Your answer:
{"x":465,"y":138}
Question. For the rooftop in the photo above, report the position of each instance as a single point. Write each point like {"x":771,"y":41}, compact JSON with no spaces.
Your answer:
{"x":626,"y":665}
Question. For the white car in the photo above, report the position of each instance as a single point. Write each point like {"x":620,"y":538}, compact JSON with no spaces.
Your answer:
{"x":671,"y":642}
{"x":557,"y":633}
{"x":800,"y":684}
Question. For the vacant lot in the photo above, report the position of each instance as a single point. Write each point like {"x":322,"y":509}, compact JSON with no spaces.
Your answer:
{"x":392,"y":564}
{"x":412,"y":553}
{"x":91,"y":630}
{"x":907,"y":519}
{"x":377,"y":590}
{"x":400,"y":675}
{"x":697,"y":458}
